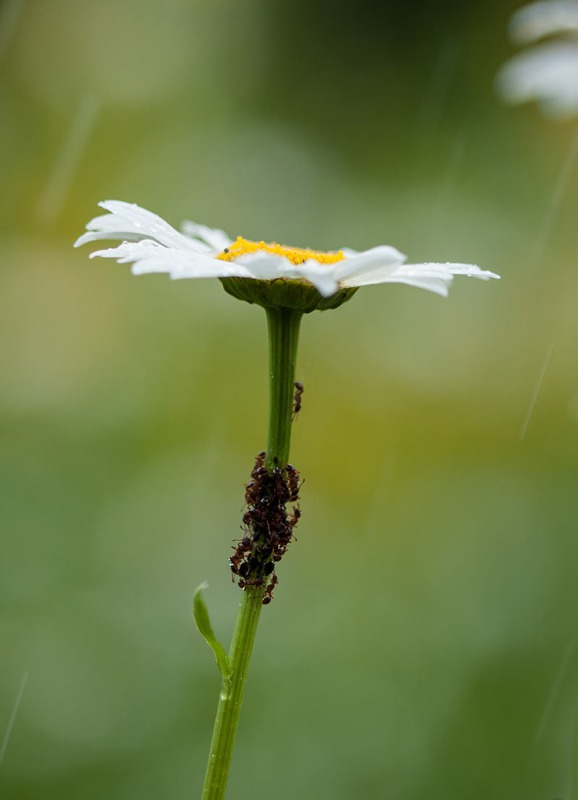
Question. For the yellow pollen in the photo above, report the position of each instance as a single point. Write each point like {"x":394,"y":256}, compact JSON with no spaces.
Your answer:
{"x":296,"y":255}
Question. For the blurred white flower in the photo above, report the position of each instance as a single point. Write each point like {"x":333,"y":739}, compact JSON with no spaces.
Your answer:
{"x":152,"y":245}
{"x":548,"y":72}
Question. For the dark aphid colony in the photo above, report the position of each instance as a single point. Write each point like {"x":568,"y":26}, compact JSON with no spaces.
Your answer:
{"x":268,"y":526}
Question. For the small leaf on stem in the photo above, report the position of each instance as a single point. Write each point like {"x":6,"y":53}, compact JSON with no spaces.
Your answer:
{"x":201,"y":615}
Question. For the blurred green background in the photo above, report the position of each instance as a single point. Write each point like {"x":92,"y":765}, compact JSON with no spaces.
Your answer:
{"x":423,"y":639}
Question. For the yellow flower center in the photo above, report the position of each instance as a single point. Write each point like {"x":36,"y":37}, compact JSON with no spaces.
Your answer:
{"x":296,"y":255}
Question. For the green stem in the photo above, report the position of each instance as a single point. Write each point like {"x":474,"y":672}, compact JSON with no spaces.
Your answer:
{"x":231,"y":697}
{"x":283,"y":339}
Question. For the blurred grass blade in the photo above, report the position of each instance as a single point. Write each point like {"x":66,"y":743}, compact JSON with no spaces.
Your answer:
{"x":201,"y":615}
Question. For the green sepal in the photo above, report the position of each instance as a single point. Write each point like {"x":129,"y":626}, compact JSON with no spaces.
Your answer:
{"x":297,"y":295}
{"x":201,"y":614}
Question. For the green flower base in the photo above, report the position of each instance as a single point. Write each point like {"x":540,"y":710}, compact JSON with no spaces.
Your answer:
{"x":297,"y":295}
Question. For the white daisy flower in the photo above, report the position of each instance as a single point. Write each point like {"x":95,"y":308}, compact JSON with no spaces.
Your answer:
{"x":548,"y":72}
{"x":152,"y":245}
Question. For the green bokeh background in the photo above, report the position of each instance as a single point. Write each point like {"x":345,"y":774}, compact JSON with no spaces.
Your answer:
{"x":423,"y":639}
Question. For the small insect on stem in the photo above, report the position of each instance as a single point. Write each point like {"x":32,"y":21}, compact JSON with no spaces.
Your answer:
{"x":297,"y":398}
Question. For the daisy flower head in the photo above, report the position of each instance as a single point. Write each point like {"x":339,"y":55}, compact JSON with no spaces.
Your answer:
{"x":270,"y":275}
{"x":547,"y":72}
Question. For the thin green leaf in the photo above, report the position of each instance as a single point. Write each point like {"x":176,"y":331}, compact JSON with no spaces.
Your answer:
{"x":203,"y":621}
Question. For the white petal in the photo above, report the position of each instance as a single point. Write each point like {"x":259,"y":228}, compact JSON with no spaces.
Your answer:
{"x":547,"y":73}
{"x":430,"y":280}
{"x":322,"y":276}
{"x":216,"y":238}
{"x":108,"y":226}
{"x":544,"y":19}
{"x":433,"y":277}
{"x":437,"y":285}
{"x":367,"y":262}
{"x":269,"y":266}
{"x":129,"y":251}
{"x":130,"y":222}
{"x":264,"y":266}
{"x":198,"y":266}
{"x":150,"y":257}
{"x":151,"y":226}
{"x":448,"y":267}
